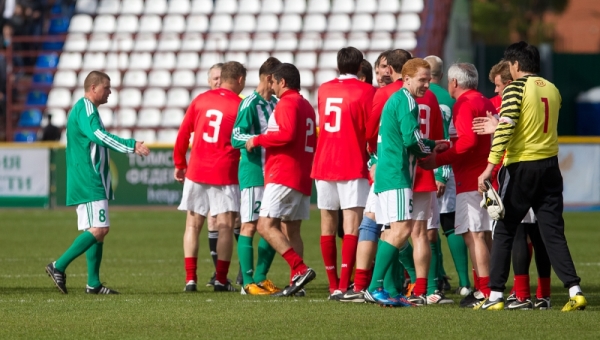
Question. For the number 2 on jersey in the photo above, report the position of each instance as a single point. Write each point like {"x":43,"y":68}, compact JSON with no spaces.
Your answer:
{"x":310,"y":130}
{"x":215,"y":124}
{"x":329,"y":108}
{"x":546,"y":114}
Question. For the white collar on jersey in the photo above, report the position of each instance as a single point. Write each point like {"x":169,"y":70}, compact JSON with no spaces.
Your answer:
{"x":347,"y":76}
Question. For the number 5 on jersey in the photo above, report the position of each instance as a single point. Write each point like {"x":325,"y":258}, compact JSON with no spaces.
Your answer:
{"x":329,"y":108}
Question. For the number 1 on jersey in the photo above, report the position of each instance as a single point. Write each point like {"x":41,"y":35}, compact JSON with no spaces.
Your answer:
{"x":546,"y":114}
{"x":310,"y":130}
{"x":329,"y":108}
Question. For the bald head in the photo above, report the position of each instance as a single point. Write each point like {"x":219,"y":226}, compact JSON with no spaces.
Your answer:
{"x":437,"y":68}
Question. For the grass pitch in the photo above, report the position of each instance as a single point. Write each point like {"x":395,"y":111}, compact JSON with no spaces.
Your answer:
{"x":143,"y":260}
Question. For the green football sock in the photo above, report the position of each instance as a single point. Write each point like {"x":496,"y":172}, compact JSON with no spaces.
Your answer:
{"x":460,"y":256}
{"x":406,"y":257}
{"x":266,"y":254}
{"x":390,"y":281}
{"x":246,"y":255}
{"x":433,"y":269}
{"x":82,"y":243}
{"x":385,"y":256}
{"x":94,"y":258}
{"x":441,"y":270}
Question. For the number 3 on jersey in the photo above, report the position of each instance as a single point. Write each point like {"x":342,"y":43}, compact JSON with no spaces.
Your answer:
{"x":329,"y":108}
{"x":310,"y":130}
{"x":215,"y":117}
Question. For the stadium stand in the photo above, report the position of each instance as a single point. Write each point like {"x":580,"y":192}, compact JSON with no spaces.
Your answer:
{"x":158,"y":52}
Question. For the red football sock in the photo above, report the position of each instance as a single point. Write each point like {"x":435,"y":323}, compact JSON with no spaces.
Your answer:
{"x":190,"y":268}
{"x":475,"y":280}
{"x":362,"y":279}
{"x":329,"y":253}
{"x":543,"y":288}
{"x":483,"y":285}
{"x":222,"y":270}
{"x":348,"y":260}
{"x":295,"y":262}
{"x":530,"y":250}
{"x":522,"y":287}
{"x":420,"y":286}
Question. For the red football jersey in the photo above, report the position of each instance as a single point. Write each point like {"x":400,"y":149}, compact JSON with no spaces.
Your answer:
{"x":290,"y":143}
{"x":432,"y":127}
{"x":469,"y":151}
{"x":344,"y":106}
{"x":381,"y":96}
{"x":210,"y":117}
{"x":497,"y":102}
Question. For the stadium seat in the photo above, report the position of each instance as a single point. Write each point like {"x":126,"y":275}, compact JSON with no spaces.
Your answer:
{"x":188,"y":60}
{"x":294,"y":6}
{"x":155,"y":7}
{"x":263,"y":42}
{"x":115,"y":77}
{"x":146,"y":135}
{"x":106,"y":116}
{"x":127,"y":23}
{"x":75,"y":42}
{"x":380,"y":41}
{"x":148,"y":118}
{"x":342,"y":6}
{"x":150,"y":23}
{"x":226,"y":6}
{"x":388,"y":6}
{"x":199,"y":91}
{"x":408,"y":22}
{"x":202,"y":6}
{"x":59,"y":116}
{"x":405,"y":40}
{"x":58,"y":25}
{"x":76,"y":95}
{"x":192,"y":42}
{"x":125,"y":117}
{"x":123,"y":133}
{"x":145,"y":42}
{"x":25,"y":137}
{"x":105,"y":24}
{"x":328,"y":60}
{"x":366,"y":6}
{"x":122,"y":42}
{"x":372,"y":56}
{"x":43,"y":79}
{"x":140,"y":60}
{"x":130,"y":98}
{"x":216,"y":42}
{"x":58,"y":97}
{"x":252,"y":78}
{"x":385,"y":22}
{"x":338,"y":23}
{"x":184,"y":78}
{"x":169,"y":42}
{"x":286,"y":42}
{"x":108,"y":7}
{"x":315,"y":22}
{"x":117,"y":61}
{"x":81,"y":23}
{"x":197,"y":23}
{"x":413,"y":6}
{"x":135,"y":78}
{"x":273,"y":6}
{"x":132,"y":7}
{"x":221,"y":23}
{"x":362,"y":23}
{"x":240,"y":57}
{"x":244,"y":23}
{"x":178,"y":97}
{"x":307,"y":60}
{"x":173,"y":23}
{"x":179,"y":7}
{"x":159,"y":78}
{"x":307,"y":78}
{"x":249,"y":6}
{"x":47,"y":61}
{"x":256,"y":59}
{"x":310,"y":42}
{"x":99,"y":42}
{"x":293,"y":23}
{"x":284,"y":57}
{"x":171,"y":117}
{"x":30,"y":118}
{"x":334,"y":41}
{"x":69,"y":60}
{"x":154,"y":98}
{"x":240,"y":42}
{"x":359,"y":40}
{"x":92,"y":60}
{"x":113,"y":99}
{"x":267,"y":23}
{"x":86,"y":6}
{"x":209,"y":59}
{"x":167,"y":136}
{"x":65,"y":78}
{"x":318,"y":6}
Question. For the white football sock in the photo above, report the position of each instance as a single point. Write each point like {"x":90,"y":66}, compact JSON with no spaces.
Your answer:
{"x":495,"y":295}
{"x":574,"y":290}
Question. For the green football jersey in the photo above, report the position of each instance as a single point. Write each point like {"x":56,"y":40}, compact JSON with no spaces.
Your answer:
{"x":88,"y":172}
{"x":446,"y":104}
{"x":399,"y":143}
{"x":252,"y":119}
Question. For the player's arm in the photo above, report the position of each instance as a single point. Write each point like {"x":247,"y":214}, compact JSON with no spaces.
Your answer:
{"x":411,"y":135}
{"x":510,"y":112}
{"x":374,"y":119}
{"x":442,"y":173}
{"x":242,"y":127}
{"x":467,"y":139}
{"x":182,"y":143}
{"x":92,"y":128}
{"x":285,"y":115}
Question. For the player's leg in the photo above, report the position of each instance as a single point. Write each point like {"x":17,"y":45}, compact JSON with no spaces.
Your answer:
{"x":422,"y":252}
{"x":291,"y":230}
{"x":434,"y":294}
{"x":237,"y":228}
{"x":458,"y":250}
{"x":542,"y":263}
{"x":213,"y":236}
{"x":368,"y":239}
{"x":328,"y":202}
{"x":520,"y":262}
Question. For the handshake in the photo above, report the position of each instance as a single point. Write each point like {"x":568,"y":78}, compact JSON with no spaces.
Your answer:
{"x":429,"y":163}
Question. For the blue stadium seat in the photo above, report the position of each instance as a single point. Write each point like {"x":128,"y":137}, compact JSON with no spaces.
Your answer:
{"x":45,"y":78}
{"x":59,"y":25}
{"x":36,"y":98}
{"x":30,"y":118}
{"x":53,"y":46}
{"x":49,"y":60}
{"x":25,"y":137}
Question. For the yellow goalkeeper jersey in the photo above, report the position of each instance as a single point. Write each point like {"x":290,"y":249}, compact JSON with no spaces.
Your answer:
{"x":527,"y":130}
